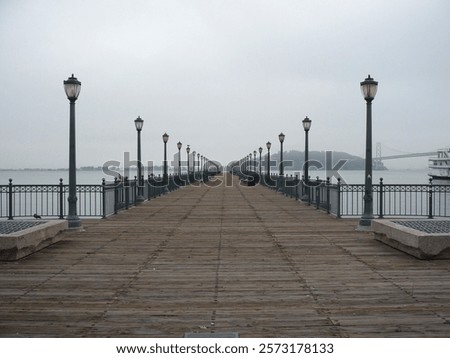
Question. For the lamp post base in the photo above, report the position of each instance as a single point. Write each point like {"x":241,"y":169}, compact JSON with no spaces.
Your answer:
{"x":280,"y":183}
{"x":74,"y":223}
{"x":365,"y":224}
{"x":140,"y":199}
{"x":305,"y":197}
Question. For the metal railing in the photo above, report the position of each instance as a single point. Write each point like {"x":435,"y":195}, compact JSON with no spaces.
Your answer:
{"x":409,"y":200}
{"x":102,"y":200}
{"x":48,"y":200}
{"x":423,"y":200}
{"x":394,"y":200}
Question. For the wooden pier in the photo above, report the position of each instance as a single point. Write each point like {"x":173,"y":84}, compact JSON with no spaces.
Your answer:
{"x":223,"y":258}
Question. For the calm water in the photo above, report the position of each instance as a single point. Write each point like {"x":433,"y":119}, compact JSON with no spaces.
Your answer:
{"x":389,"y":176}
{"x":95,"y":176}
{"x":53,"y":176}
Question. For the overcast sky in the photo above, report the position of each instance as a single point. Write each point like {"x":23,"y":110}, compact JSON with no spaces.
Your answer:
{"x":224,"y":76}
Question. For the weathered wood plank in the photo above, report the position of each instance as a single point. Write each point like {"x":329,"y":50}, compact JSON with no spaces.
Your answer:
{"x":211,"y":259}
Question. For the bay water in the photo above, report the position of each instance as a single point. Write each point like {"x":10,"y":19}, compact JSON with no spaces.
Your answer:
{"x":417,"y":176}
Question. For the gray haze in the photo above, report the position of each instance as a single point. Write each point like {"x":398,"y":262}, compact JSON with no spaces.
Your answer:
{"x":224,"y":76}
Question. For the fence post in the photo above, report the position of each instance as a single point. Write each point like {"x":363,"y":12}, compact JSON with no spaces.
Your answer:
{"x":328,"y":194}
{"x":338,"y":214}
{"x":380,"y":201}
{"x":126,"y":187}
{"x":136,"y":188}
{"x":297,"y":183}
{"x":10,"y":200}
{"x":116,"y":196}
{"x":291,"y":189}
{"x":318,"y":185}
{"x":104,"y":198}
{"x":61,"y":199}
{"x":430,"y":199}
{"x":309,"y":190}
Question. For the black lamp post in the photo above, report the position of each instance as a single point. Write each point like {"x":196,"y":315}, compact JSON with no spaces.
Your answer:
{"x":198,"y":163}
{"x":179,"y":145}
{"x":188,"y":150}
{"x":139,"y":123}
{"x":193,"y":162}
{"x":268,"y":145}
{"x":254,"y":161}
{"x":165,"y":138}
{"x":72,"y":88}
{"x":281,"y":138}
{"x":306,"y":126}
{"x":201,"y":167}
{"x":260,"y":162}
{"x":369,"y":90}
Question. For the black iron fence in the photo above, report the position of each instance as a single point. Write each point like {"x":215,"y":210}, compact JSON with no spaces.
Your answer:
{"x":412,"y":200}
{"x":394,"y":200}
{"x":425,"y":200}
{"x":102,"y":200}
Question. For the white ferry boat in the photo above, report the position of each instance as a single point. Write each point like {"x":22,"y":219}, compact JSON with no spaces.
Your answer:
{"x":440,"y":165}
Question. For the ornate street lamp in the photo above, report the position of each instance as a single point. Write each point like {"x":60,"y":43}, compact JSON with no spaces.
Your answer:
{"x":198,"y":162}
{"x":281,"y":137}
{"x":139,"y":123}
{"x":369,"y":90}
{"x":72,"y":88}
{"x":188,"y":150}
{"x":165,"y":138}
{"x":268,"y":145}
{"x":193,"y":162}
{"x":179,"y":145}
{"x":254,"y":161}
{"x":306,"y":126}
{"x":260,"y":162}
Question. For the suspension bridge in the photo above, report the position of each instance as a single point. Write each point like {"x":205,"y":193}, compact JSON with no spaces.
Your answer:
{"x":379,"y":158}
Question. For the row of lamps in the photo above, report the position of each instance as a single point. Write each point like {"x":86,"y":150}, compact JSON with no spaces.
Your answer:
{"x":72,"y":88}
{"x":369,"y":89}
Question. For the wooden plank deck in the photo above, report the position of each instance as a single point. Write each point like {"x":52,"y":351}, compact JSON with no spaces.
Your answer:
{"x":225,"y":258}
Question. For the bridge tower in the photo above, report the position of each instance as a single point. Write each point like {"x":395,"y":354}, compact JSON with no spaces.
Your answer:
{"x":377,"y":163}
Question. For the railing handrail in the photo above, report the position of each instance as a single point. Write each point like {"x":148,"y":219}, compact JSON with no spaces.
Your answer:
{"x":342,"y":199}
{"x":94,"y":200}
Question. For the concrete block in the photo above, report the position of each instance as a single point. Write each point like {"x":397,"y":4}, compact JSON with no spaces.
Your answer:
{"x":418,"y":243}
{"x":22,"y":243}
